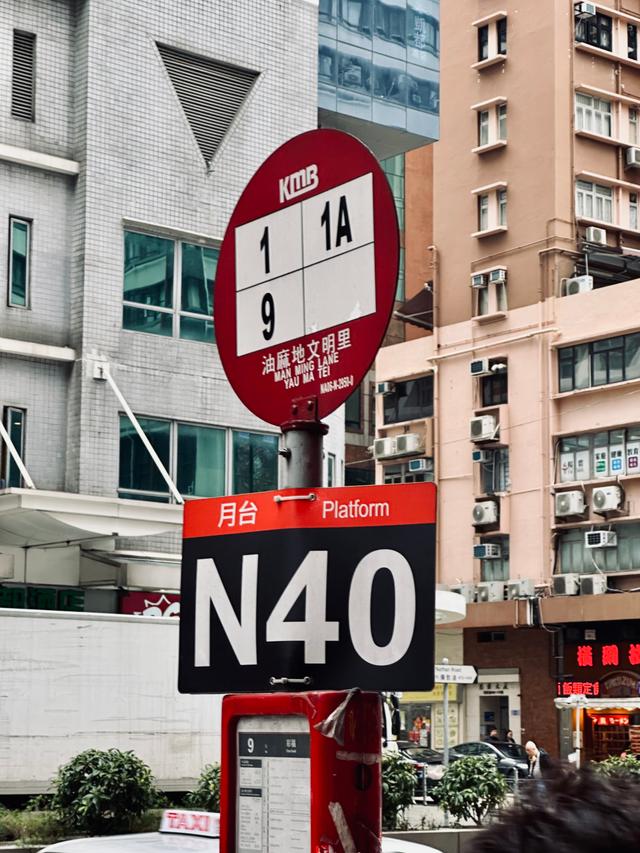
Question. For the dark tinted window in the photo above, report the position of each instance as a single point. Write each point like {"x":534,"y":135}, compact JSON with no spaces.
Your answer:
{"x":409,"y":400}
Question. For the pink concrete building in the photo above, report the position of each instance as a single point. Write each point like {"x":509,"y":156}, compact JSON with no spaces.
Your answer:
{"x":525,"y":400}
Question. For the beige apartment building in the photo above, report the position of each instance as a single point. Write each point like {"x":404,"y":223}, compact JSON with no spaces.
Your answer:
{"x":524,"y":401}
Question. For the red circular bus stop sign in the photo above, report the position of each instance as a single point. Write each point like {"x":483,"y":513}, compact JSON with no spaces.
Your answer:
{"x":307,"y":275}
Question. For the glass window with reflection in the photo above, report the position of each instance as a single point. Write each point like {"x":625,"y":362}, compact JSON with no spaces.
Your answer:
{"x":496,"y":569}
{"x":410,"y":400}
{"x":201,"y":461}
{"x":19,"y":245}
{"x":255,"y":462}
{"x":140,"y":478}
{"x":353,"y":411}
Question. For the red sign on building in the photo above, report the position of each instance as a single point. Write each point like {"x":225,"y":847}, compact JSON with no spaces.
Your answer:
{"x":150,"y":604}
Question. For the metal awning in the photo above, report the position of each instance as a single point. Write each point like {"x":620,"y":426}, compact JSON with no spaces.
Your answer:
{"x":31,"y":517}
{"x":418,"y":310}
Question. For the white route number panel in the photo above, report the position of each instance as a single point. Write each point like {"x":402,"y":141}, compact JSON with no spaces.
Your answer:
{"x":306,"y":268}
{"x":273,"y":806}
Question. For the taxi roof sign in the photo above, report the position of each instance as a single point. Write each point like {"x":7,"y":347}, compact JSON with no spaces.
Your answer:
{"x":189,"y":822}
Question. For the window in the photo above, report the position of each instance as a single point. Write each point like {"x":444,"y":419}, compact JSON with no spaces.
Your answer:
{"x":501,"y":114}
{"x":23,"y":79}
{"x":501,"y":30}
{"x":633,"y":126}
{"x":393,"y":167}
{"x":596,"y":31}
{"x":632,"y":41}
{"x":19,"y":253}
{"x":494,"y":389}
{"x":633,"y":211}
{"x":496,"y":569}
{"x":483,"y":43}
{"x":400,"y":473}
{"x":574,"y":557}
{"x":400,"y":287}
{"x":255,"y":462}
{"x":600,"y":362}
{"x":502,"y":207}
{"x":494,"y":474}
{"x":14,"y":423}
{"x":195,"y":457}
{"x":168,"y":287}
{"x":593,"y":114}
{"x":409,"y":401}
{"x":483,"y":127}
{"x":594,"y":201}
{"x":331,"y":469}
{"x":390,"y":22}
{"x":353,"y":411}
{"x":490,"y":292}
{"x":483,"y":213}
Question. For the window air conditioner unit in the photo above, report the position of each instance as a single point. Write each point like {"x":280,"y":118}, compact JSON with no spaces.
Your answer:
{"x":498,"y":276}
{"x":568,"y":584}
{"x":593,"y":584}
{"x":383,"y":447}
{"x":478,"y":280}
{"x":596,"y":235}
{"x":607,"y":499}
{"x":385,"y":387}
{"x":483,"y":428}
{"x":521,"y":589}
{"x":585,"y":10}
{"x":485,"y":512}
{"x":420,"y":466}
{"x":481,"y":456}
{"x":491,"y":591}
{"x":487,"y":551}
{"x":480,"y":367}
{"x":600,"y":539}
{"x":633,"y":157}
{"x":466,"y":590}
{"x":579,"y":284}
{"x":570,"y":503}
{"x":410,"y":442}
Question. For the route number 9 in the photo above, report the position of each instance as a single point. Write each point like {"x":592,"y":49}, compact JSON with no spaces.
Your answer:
{"x":268,"y":311}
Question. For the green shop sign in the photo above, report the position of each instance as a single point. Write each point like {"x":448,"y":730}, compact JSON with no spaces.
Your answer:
{"x":42,"y":598}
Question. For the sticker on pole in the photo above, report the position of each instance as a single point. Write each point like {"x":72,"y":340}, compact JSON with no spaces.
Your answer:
{"x":331,"y":592}
{"x":307,"y":275}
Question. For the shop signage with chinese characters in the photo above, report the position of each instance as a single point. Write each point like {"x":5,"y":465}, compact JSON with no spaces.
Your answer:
{"x":42,"y":598}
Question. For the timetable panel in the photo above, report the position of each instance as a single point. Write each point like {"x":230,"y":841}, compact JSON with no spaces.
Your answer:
{"x":270,"y":313}
{"x":340,"y":289}
{"x":338,"y":220}
{"x":268,"y":247}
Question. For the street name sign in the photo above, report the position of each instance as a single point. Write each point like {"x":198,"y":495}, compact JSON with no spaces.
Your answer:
{"x":336,"y":586}
{"x":454,"y":674}
{"x":307,"y":275}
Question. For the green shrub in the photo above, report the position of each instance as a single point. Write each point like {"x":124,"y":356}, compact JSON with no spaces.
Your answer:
{"x":398,"y":786}
{"x":206,"y":796}
{"x":31,"y":828}
{"x":617,"y":766}
{"x":101,"y":792}
{"x":471,"y":788}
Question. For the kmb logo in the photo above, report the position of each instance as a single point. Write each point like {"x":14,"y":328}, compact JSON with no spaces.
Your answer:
{"x":298,"y":183}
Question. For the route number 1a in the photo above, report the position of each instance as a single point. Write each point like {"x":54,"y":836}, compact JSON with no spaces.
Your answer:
{"x":315,"y":631}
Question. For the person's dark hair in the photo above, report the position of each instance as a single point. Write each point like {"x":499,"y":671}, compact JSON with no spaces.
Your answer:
{"x":576,"y":811}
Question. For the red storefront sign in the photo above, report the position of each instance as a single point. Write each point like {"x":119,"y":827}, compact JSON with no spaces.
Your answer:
{"x":150,"y":604}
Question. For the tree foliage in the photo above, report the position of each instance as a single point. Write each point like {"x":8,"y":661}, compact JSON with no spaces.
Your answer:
{"x":101,"y":792}
{"x":398,"y":786}
{"x":471,"y":788}
{"x":207,"y":793}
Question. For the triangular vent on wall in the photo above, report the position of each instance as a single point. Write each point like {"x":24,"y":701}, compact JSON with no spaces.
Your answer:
{"x":211,"y":93}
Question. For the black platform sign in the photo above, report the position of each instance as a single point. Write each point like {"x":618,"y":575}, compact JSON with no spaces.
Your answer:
{"x":339,"y":590}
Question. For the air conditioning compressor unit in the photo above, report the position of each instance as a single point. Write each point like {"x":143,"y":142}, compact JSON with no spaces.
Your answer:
{"x":568,"y":584}
{"x":579,"y":284}
{"x":491,"y":591}
{"x":607,"y":499}
{"x":485,"y":512}
{"x":593,"y":584}
{"x":521,"y":589}
{"x":570,"y":503}
{"x":483,"y":428}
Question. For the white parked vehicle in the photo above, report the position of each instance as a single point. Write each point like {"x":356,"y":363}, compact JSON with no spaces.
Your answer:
{"x":183,"y":831}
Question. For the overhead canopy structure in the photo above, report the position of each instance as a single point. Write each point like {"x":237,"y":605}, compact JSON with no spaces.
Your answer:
{"x":418,"y":310}
{"x":450,"y":607}
{"x":599,"y":703}
{"x":35,"y":518}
